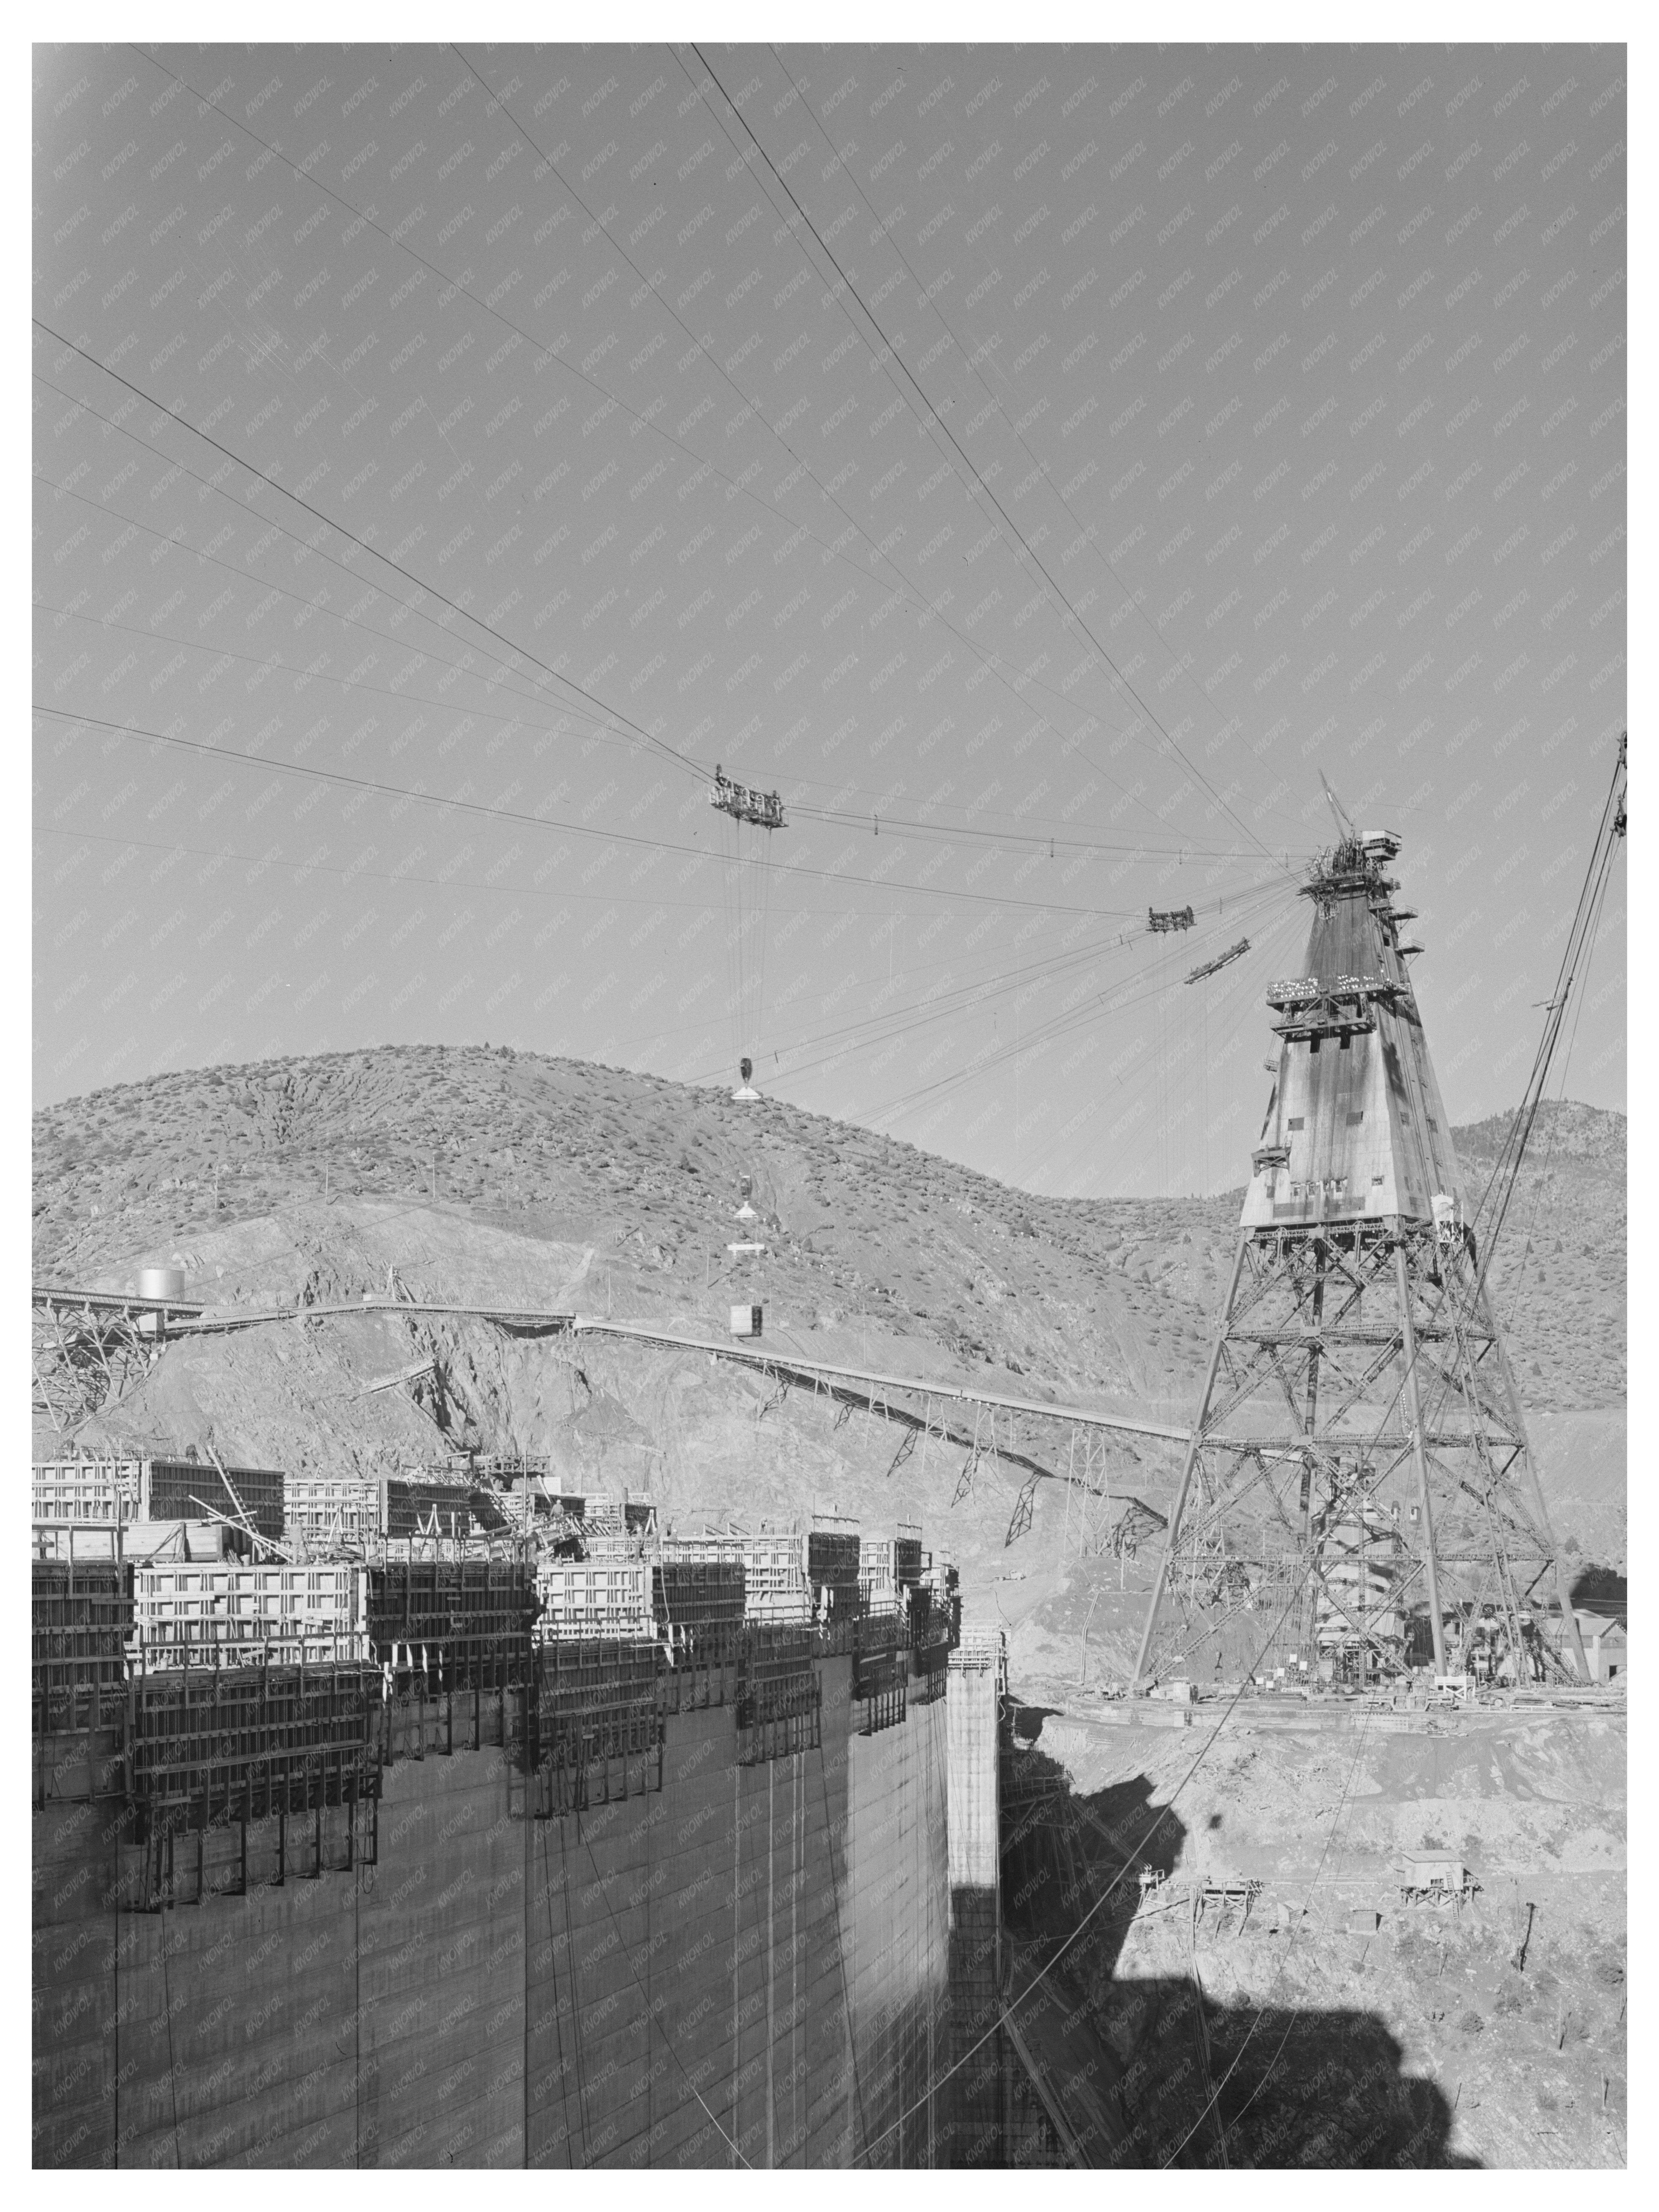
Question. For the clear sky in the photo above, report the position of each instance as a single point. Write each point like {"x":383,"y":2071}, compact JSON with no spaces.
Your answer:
{"x":1039,"y":465}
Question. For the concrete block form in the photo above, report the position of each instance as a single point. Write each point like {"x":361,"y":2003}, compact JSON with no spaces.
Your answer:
{"x":743,"y":1949}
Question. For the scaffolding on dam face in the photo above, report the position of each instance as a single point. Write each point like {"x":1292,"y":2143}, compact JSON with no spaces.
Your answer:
{"x":461,"y":1625}
{"x":880,"y":1673}
{"x":81,"y":1615}
{"x":213,"y":1754}
{"x":779,"y":1699}
{"x":588,"y":1730}
{"x":932,"y":1639}
{"x":696,"y":1599}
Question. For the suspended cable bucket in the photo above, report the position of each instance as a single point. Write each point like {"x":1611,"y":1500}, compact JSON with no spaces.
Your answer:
{"x":1214,"y":967}
{"x":752,"y":816}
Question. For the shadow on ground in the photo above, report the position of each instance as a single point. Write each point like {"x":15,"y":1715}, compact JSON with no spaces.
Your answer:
{"x":1151,"y":2071}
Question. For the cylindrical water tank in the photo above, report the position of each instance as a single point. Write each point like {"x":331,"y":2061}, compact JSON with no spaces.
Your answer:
{"x":161,"y":1282}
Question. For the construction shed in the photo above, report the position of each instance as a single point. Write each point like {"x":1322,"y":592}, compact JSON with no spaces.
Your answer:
{"x":1606,"y":1645}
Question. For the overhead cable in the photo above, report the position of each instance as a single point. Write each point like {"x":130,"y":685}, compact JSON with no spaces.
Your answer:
{"x":609,"y":714}
{"x":931,"y":420}
{"x":928,"y":296}
{"x":274,"y":765}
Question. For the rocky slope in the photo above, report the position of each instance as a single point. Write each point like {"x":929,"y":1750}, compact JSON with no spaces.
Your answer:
{"x":506,"y":1178}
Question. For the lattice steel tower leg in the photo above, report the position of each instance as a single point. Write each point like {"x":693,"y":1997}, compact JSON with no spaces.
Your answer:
{"x":1190,"y":1462}
{"x":1419,"y":1457}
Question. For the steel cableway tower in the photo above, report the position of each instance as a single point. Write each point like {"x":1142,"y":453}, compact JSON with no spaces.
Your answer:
{"x":1357,"y":1493}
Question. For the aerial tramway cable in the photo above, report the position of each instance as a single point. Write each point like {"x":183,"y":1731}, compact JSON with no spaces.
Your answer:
{"x":1519,"y":1302}
{"x":931,"y":422}
{"x":932,"y":610}
{"x":612,"y":718}
{"x":1057,"y":1025}
{"x":272,"y":765}
{"x":1493,"y":1205}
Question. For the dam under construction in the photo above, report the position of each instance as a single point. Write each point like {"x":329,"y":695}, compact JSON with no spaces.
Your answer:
{"x":439,"y":1858}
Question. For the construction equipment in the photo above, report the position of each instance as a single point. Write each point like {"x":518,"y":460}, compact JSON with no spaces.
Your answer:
{"x":1222,"y":960}
{"x":753,"y":815}
{"x":743,"y":803}
{"x":1359,"y":1469}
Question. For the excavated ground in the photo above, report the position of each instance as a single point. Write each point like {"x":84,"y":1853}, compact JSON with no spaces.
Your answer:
{"x":1339,"y":2025}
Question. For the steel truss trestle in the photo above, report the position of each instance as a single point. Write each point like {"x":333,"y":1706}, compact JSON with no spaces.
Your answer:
{"x":89,"y":1353}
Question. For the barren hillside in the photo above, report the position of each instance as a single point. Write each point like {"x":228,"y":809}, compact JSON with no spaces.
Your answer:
{"x":509,"y":1178}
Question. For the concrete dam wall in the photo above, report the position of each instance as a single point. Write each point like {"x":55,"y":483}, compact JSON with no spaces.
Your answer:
{"x":707,"y":1957}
